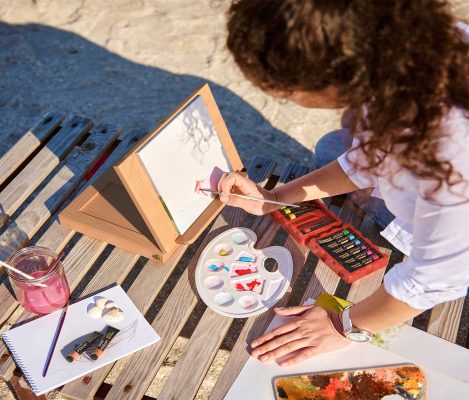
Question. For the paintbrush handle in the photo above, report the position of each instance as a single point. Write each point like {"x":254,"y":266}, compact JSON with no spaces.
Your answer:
{"x":243,"y":196}
{"x":23,"y":274}
{"x":279,"y":203}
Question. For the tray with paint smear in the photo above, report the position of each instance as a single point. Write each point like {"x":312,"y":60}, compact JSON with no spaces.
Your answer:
{"x":232,"y":278}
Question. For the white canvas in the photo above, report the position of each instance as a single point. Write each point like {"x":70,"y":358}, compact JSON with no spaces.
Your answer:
{"x":186,"y":153}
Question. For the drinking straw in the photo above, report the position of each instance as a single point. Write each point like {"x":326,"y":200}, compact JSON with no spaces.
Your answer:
{"x":23,"y":274}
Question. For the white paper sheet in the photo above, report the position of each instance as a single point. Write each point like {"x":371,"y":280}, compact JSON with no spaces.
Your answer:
{"x":187,"y":150}
{"x":437,"y":359}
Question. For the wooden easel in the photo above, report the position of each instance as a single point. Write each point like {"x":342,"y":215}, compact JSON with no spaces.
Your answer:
{"x":123,"y":208}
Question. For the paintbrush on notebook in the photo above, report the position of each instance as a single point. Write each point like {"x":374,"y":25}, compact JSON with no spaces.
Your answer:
{"x":279,"y":203}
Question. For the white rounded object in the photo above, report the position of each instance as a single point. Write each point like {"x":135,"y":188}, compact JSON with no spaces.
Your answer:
{"x":113,"y":315}
{"x":215,"y":265}
{"x":224,"y":299}
{"x":223,"y":249}
{"x":213,"y":282}
{"x":110,"y":304}
{"x":94,"y":312}
{"x":101,"y":302}
{"x":239,"y":238}
{"x":247,"y":302}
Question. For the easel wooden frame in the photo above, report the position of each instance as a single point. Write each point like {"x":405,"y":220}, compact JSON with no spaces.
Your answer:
{"x":124,"y":209}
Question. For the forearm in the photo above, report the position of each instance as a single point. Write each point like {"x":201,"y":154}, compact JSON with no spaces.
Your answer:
{"x":380,"y":311}
{"x":327,"y":181}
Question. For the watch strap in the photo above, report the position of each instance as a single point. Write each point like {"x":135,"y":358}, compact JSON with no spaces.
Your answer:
{"x":347,"y":325}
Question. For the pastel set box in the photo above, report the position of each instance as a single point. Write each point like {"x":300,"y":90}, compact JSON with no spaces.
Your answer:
{"x":342,"y":247}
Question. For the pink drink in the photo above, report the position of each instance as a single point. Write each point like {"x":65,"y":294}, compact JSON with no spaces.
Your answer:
{"x":39,"y":263}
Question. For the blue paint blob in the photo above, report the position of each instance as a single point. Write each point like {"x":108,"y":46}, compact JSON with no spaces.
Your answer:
{"x":213,"y":267}
{"x":245,"y":259}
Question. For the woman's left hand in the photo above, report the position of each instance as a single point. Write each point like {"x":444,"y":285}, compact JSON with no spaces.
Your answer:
{"x":310,"y":332}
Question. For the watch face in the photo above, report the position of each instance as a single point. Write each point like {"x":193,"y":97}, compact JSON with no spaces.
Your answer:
{"x":359,"y":336}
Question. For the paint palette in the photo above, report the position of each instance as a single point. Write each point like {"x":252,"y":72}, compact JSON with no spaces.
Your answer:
{"x":236,"y":280}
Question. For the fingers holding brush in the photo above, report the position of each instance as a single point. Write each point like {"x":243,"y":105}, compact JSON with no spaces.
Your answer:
{"x":236,"y":183}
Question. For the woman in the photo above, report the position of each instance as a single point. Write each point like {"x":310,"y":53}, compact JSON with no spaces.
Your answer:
{"x":403,"y":68}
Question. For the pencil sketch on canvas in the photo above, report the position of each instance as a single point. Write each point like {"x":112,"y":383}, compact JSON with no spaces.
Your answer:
{"x":184,"y":156}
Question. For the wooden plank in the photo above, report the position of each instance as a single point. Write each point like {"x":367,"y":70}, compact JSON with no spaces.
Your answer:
{"x":152,"y":276}
{"x":28,"y":143}
{"x":41,"y":165}
{"x":47,"y":201}
{"x":174,"y":313}
{"x":293,"y":171}
{"x":445,"y":319}
{"x":21,"y":392}
{"x":208,"y":335}
{"x":323,"y":279}
{"x":168,"y":323}
{"x":142,"y":292}
{"x":128,"y":140}
{"x":57,"y":236}
{"x":261,"y":169}
{"x":364,"y":287}
{"x":76,"y":264}
{"x":367,"y":285}
{"x":255,"y":327}
{"x":193,"y":372}
{"x":74,"y":168}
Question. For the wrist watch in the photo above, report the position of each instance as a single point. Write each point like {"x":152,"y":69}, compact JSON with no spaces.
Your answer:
{"x":352,"y":333}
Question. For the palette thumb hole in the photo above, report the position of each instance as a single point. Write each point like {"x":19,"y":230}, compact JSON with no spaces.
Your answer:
{"x":341,"y":246}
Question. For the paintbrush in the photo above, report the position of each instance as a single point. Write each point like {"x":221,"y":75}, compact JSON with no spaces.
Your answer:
{"x":59,"y":325}
{"x":55,"y":340}
{"x":279,"y":203}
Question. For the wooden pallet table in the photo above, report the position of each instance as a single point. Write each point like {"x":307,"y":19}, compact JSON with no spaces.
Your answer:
{"x":48,"y":166}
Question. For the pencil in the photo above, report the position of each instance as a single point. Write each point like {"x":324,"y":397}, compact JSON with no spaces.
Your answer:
{"x":55,"y":340}
{"x":252,"y":198}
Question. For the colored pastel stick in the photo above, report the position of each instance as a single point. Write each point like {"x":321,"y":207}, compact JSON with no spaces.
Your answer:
{"x":287,"y":210}
{"x":334,"y":236}
{"x":295,"y":214}
{"x":314,"y":227}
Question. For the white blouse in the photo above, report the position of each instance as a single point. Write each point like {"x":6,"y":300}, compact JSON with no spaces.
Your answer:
{"x":434,"y":233}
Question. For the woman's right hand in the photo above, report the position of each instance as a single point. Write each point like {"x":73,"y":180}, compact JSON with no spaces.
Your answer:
{"x":236,"y":183}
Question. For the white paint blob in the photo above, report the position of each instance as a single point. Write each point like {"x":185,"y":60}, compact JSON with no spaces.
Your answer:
{"x":223,"y":299}
{"x":247,"y":302}
{"x":213,"y":282}
{"x":239,"y":238}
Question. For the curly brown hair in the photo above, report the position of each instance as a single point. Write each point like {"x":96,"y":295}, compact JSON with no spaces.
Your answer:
{"x":404,"y":60}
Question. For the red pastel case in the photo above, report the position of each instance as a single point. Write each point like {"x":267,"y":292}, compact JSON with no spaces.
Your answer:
{"x":319,"y":216}
{"x":325,"y":224}
{"x":334,"y":262}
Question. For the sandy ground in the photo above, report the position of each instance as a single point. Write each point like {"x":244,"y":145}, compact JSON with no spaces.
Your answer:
{"x":131,"y":62}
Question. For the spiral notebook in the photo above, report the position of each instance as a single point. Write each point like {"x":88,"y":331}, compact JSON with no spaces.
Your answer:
{"x":30,"y":343}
